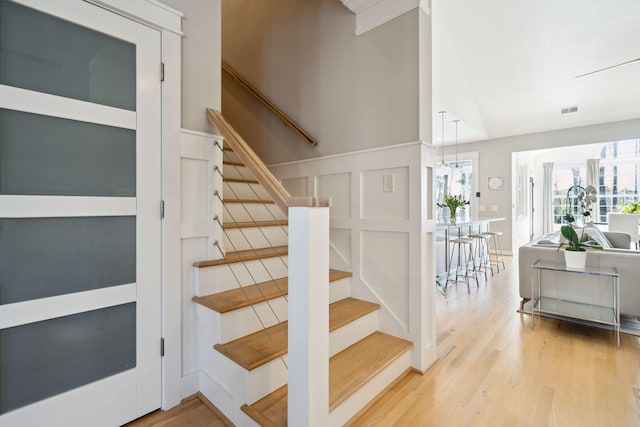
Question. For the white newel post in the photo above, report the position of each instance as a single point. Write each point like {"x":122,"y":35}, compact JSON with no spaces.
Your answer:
{"x":308,"y":312}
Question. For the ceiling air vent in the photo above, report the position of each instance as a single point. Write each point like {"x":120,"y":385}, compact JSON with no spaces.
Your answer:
{"x":567,"y":110}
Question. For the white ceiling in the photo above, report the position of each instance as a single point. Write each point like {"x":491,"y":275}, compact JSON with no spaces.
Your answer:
{"x":507,"y":67}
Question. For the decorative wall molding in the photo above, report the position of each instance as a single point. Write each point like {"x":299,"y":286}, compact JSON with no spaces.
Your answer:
{"x":373,"y":13}
{"x":150,"y":12}
{"x":383,"y":234}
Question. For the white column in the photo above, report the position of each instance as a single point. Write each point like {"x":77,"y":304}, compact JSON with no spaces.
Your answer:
{"x":308,"y":315}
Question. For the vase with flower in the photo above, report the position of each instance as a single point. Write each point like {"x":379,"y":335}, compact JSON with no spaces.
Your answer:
{"x":453,"y":203}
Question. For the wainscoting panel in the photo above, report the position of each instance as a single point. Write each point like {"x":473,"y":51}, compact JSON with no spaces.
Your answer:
{"x":387,"y":279}
{"x":339,"y":186}
{"x":381,"y":230}
{"x":199,"y":155}
{"x":297,"y":186}
{"x":385,"y":194}
{"x":195,"y":208}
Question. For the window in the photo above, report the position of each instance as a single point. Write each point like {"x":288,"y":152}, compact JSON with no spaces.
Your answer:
{"x":618,"y":176}
{"x":455,"y":181}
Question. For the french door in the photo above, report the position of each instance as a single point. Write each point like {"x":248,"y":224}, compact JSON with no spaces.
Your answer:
{"x":80,"y":231}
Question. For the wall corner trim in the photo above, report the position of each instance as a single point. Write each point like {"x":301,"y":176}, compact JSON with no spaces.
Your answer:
{"x":373,"y":13}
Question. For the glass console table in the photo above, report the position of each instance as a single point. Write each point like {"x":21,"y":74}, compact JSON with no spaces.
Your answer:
{"x":607,"y":315}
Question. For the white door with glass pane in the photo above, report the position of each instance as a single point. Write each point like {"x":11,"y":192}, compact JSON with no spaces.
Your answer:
{"x":80,"y":226}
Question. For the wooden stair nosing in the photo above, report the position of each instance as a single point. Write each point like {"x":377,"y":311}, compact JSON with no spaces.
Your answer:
{"x":261,"y":415}
{"x":251,"y":224}
{"x":234,"y":299}
{"x":259,"y":201}
{"x":273,"y":407}
{"x":241,"y":180}
{"x":247,"y":255}
{"x":263,"y":346}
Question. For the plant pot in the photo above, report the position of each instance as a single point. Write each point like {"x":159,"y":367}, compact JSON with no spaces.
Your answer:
{"x":575,"y":260}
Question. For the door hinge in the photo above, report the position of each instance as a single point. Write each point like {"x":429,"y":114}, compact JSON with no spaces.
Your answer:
{"x":161,"y":347}
{"x":161,"y":209}
{"x":162,"y":71}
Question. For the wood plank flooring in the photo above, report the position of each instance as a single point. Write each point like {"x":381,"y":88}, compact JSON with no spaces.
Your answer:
{"x":194,"y":411}
{"x":493,"y":370}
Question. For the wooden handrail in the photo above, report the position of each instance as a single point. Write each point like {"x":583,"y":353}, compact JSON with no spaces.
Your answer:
{"x":275,"y":110}
{"x":251,"y":160}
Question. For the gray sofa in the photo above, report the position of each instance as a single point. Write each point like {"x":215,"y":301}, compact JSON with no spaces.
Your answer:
{"x":580,"y":287}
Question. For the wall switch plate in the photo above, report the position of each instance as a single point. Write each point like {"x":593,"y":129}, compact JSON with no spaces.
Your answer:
{"x":387,"y":183}
{"x":494,"y":208}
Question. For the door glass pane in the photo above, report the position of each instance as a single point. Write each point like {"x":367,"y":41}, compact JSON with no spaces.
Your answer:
{"x":42,"y":359}
{"x":42,"y":155}
{"x":44,"y":257}
{"x":47,"y":54}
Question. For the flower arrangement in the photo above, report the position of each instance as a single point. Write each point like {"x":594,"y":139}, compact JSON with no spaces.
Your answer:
{"x":453,"y":203}
{"x":633,"y":207}
{"x":586,"y":198}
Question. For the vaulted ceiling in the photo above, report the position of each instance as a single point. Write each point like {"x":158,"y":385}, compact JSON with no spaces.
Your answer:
{"x":507,"y":67}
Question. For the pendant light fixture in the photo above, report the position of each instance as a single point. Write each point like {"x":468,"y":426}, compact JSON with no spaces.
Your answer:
{"x":456,"y":122}
{"x":442,"y":113}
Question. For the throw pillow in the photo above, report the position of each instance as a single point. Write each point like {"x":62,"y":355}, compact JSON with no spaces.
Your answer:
{"x":594,"y":233}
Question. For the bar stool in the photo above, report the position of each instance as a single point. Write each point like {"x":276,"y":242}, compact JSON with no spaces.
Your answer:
{"x":497,"y":249}
{"x":482,"y":254}
{"x":465,"y":257}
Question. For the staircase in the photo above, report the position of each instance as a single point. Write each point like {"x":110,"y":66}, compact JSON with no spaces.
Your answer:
{"x":242,"y":311}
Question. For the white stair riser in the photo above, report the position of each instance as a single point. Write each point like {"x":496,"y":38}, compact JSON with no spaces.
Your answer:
{"x":237,"y":172}
{"x":352,"y":332}
{"x":220,"y":278}
{"x":268,"y":377}
{"x":244,"y":212}
{"x":241,"y":190}
{"x":240,"y":239}
{"x":343,"y":413}
{"x":339,"y":289}
{"x":245,"y":386}
{"x":224,"y":327}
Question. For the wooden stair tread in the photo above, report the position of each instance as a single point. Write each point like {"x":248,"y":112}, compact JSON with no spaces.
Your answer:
{"x":251,"y":224}
{"x":254,"y":350}
{"x":233,"y":299}
{"x":352,"y":368}
{"x":241,"y":181}
{"x":347,"y":310}
{"x":349,"y":371}
{"x":258,"y":348}
{"x":229,"y":163}
{"x":261,"y":201}
{"x":248,"y":255}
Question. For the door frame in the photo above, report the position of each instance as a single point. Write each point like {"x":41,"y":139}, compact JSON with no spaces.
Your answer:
{"x":169,"y":22}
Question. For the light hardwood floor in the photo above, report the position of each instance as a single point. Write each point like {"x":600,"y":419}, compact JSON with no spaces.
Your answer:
{"x":493,"y":370}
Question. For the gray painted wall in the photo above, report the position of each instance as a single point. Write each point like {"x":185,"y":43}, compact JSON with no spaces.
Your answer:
{"x":495,"y":159}
{"x":201,"y":47}
{"x":350,"y":93}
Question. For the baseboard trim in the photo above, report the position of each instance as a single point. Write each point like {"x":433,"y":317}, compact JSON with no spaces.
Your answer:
{"x":227,"y":422}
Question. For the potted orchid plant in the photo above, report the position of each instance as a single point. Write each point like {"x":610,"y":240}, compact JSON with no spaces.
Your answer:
{"x":575,"y":254}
